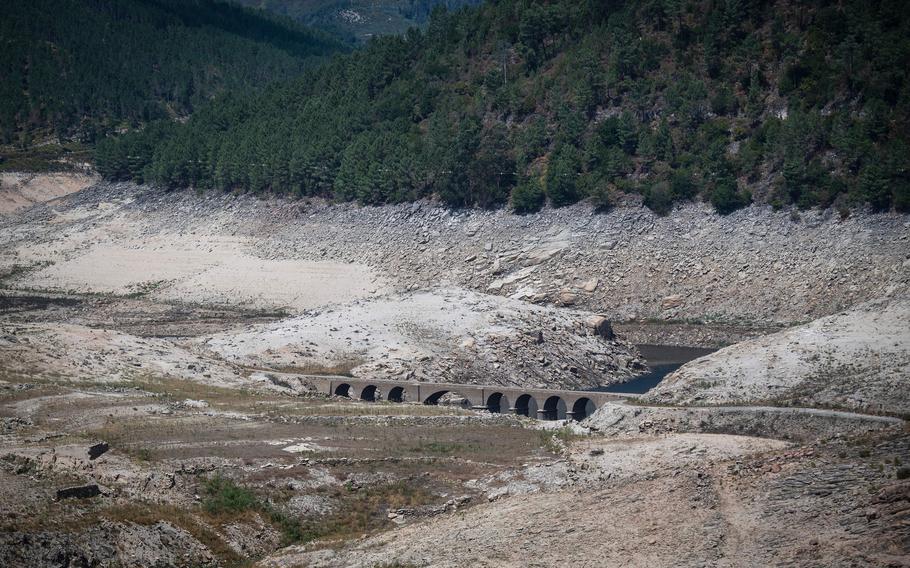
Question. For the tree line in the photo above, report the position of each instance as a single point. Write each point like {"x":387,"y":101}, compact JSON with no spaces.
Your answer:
{"x":524,"y":102}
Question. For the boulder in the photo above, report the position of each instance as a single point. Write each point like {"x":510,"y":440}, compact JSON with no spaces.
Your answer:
{"x":567,"y":298}
{"x":97,"y":450}
{"x":601,"y":326}
{"x":670,"y":302}
{"x":79,"y":492}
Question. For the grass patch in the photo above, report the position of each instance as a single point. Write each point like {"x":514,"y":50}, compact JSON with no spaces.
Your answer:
{"x":224,"y":501}
{"x":557,"y":441}
{"x":363,"y":510}
{"x":223,"y":496}
{"x":342,"y":368}
{"x":443,"y":448}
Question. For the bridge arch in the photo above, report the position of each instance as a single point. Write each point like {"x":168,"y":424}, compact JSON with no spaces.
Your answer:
{"x":343,"y":389}
{"x":554,"y":408}
{"x":525,"y":405}
{"x":434,"y":398}
{"x":396,"y":394}
{"x":369,"y":393}
{"x":582,"y":408}
{"x":497,"y":403}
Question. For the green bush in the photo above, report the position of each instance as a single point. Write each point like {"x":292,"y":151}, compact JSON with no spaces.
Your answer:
{"x":528,"y":196}
{"x":726,"y":198}
{"x":659,"y":198}
{"x":222,"y":495}
{"x":562,"y":177}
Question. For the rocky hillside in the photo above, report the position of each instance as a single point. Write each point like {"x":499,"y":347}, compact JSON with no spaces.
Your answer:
{"x":756,"y":266}
{"x":441,"y":336}
{"x":856,"y":359}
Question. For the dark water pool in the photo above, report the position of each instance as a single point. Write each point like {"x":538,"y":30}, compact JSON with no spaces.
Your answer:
{"x":662,"y":360}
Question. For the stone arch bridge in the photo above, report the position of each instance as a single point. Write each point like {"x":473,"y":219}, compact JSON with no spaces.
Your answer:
{"x":545,"y":404}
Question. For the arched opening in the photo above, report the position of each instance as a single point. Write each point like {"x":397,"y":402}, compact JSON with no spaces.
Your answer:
{"x":525,"y":405}
{"x":583,"y":408}
{"x":396,"y":394}
{"x":497,"y":402}
{"x":448,"y":398}
{"x":368,"y":393}
{"x":554,"y":409}
{"x":433,"y":399}
{"x":343,"y":389}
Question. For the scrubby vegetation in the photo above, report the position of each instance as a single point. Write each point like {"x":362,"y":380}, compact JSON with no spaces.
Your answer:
{"x":728,"y":101}
{"x":84,"y":68}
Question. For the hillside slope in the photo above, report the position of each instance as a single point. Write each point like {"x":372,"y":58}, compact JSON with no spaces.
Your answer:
{"x":358,"y":20}
{"x":84,"y":68}
{"x":856,"y":359}
{"x":526,"y":101}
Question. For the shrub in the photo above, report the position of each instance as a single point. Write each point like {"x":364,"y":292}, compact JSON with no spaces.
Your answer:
{"x":659,"y":198}
{"x":224,"y":496}
{"x":726,"y":198}
{"x":562,"y":174}
{"x":528,"y":196}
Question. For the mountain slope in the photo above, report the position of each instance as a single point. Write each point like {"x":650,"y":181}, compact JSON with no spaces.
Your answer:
{"x":90,"y":66}
{"x":526,"y":101}
{"x":358,"y":20}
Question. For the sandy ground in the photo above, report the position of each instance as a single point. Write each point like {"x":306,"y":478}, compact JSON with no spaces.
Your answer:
{"x":857,"y":359}
{"x":213,"y":271}
{"x":18,"y":191}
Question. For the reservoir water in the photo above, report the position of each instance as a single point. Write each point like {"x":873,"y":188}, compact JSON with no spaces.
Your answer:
{"x":662,"y":360}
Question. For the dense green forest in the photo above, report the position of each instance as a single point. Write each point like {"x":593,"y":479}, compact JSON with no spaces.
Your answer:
{"x":529,"y":101}
{"x":356,"y":21}
{"x":81,"y":68}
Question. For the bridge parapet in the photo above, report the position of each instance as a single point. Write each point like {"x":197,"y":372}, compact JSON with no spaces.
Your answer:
{"x":546,"y":404}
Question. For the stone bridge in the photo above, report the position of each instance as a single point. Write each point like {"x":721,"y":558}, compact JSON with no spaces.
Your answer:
{"x":545,"y":404}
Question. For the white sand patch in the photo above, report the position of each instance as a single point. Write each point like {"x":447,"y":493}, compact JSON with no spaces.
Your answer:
{"x":394,"y":327}
{"x":207,"y":270}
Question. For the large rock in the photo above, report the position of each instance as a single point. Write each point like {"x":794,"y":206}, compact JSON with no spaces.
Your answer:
{"x":95,"y":451}
{"x":601,"y":326}
{"x":79,"y":492}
